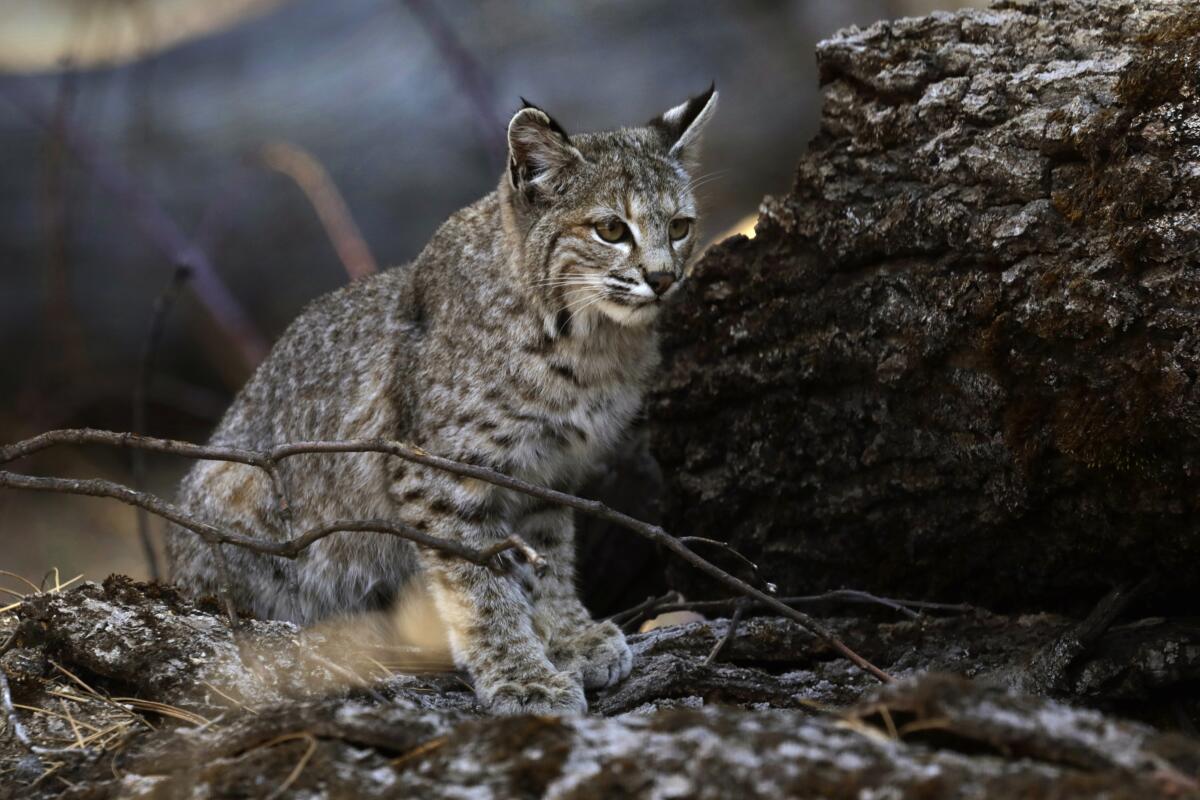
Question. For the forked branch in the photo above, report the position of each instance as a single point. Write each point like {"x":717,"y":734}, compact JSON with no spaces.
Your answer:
{"x":269,"y":460}
{"x":289,"y":548}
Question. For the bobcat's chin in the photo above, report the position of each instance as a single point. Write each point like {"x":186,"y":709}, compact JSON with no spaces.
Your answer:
{"x":632,"y":316}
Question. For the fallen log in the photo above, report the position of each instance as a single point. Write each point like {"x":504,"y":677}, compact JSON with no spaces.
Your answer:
{"x":958,"y":360}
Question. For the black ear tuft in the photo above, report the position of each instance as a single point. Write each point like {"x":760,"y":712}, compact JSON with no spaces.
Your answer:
{"x":553,"y":123}
{"x":539,"y":152}
{"x":680,"y":126}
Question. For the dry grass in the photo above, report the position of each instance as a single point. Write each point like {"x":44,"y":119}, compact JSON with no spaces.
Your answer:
{"x":69,"y":713}
{"x":35,"y":590}
{"x":300,"y":764}
{"x":66,"y":710}
{"x":420,"y":750}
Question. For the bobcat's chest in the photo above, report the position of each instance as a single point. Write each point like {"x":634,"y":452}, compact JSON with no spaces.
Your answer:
{"x":559,"y":442}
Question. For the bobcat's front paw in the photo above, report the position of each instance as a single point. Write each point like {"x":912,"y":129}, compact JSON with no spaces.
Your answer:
{"x":554,"y":693}
{"x":599,"y":654}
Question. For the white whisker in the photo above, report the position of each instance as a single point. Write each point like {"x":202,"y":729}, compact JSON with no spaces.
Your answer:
{"x":564,"y":281}
{"x":594,"y":300}
{"x":703,"y":179}
{"x":575,"y":303}
{"x":707,"y":179}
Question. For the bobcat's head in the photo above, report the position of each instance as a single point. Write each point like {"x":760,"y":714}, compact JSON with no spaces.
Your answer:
{"x":607,"y":220}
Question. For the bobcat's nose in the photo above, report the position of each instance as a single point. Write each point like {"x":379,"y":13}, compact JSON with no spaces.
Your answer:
{"x":660,"y":281}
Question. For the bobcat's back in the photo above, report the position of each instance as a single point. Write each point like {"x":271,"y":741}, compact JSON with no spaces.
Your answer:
{"x":338,"y":372}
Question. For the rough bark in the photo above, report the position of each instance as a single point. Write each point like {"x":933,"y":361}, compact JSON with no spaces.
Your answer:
{"x":959,"y":359}
{"x":777,"y":716}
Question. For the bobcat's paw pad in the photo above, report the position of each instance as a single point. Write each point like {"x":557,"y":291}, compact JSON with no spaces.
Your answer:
{"x":602,"y":656}
{"x":558,"y":693}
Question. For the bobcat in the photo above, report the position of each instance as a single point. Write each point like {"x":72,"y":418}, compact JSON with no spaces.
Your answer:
{"x":521,"y":338}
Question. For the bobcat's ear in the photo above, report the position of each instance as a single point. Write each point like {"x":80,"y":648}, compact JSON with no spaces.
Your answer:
{"x":680,"y":127}
{"x":539,"y":151}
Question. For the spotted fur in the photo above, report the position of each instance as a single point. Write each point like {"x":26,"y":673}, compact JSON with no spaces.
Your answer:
{"x":519,"y":339}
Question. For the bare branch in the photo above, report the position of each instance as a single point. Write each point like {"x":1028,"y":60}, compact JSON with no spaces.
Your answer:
{"x":751,"y":567}
{"x":596,"y":509}
{"x":226,"y":595}
{"x":156,"y":225}
{"x":468,"y":72}
{"x":646,"y":608}
{"x":407,"y":452}
{"x":314,"y":180}
{"x":909,"y":608}
{"x":141,"y":389}
{"x":49,"y":439}
{"x":290,"y":548}
{"x":739,"y":611}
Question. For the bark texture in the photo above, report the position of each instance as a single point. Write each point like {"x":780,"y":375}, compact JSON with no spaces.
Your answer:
{"x":959,"y":359}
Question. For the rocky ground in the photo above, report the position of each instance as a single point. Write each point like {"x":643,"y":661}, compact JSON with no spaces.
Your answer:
{"x":137,"y":691}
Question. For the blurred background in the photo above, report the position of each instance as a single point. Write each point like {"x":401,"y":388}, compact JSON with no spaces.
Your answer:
{"x":179,"y":177}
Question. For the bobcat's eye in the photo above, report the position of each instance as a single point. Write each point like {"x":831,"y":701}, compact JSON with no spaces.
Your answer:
{"x":679,"y":228}
{"x":612,"y":230}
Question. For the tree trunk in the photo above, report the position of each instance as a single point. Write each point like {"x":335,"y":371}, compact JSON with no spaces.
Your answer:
{"x":959,"y":359}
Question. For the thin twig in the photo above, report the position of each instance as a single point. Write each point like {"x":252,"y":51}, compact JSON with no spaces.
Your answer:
{"x":314,"y":180}
{"x":78,"y":681}
{"x":58,"y":586}
{"x":908,"y":608}
{"x":596,"y":509}
{"x":225,"y":583}
{"x":155,"y":224}
{"x":74,"y":726}
{"x":163,"y":710}
{"x":299,"y":768}
{"x":49,"y":439}
{"x":14,"y":724}
{"x":643,"y":609}
{"x":468,"y":72}
{"x":1050,"y":666}
{"x":231,"y":699}
{"x":738,"y":612}
{"x":47,"y":712}
{"x":158,"y":317}
{"x":57,"y":579}
{"x":36,"y":589}
{"x":420,"y":750}
{"x":725,"y":548}
{"x":291,"y":547}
